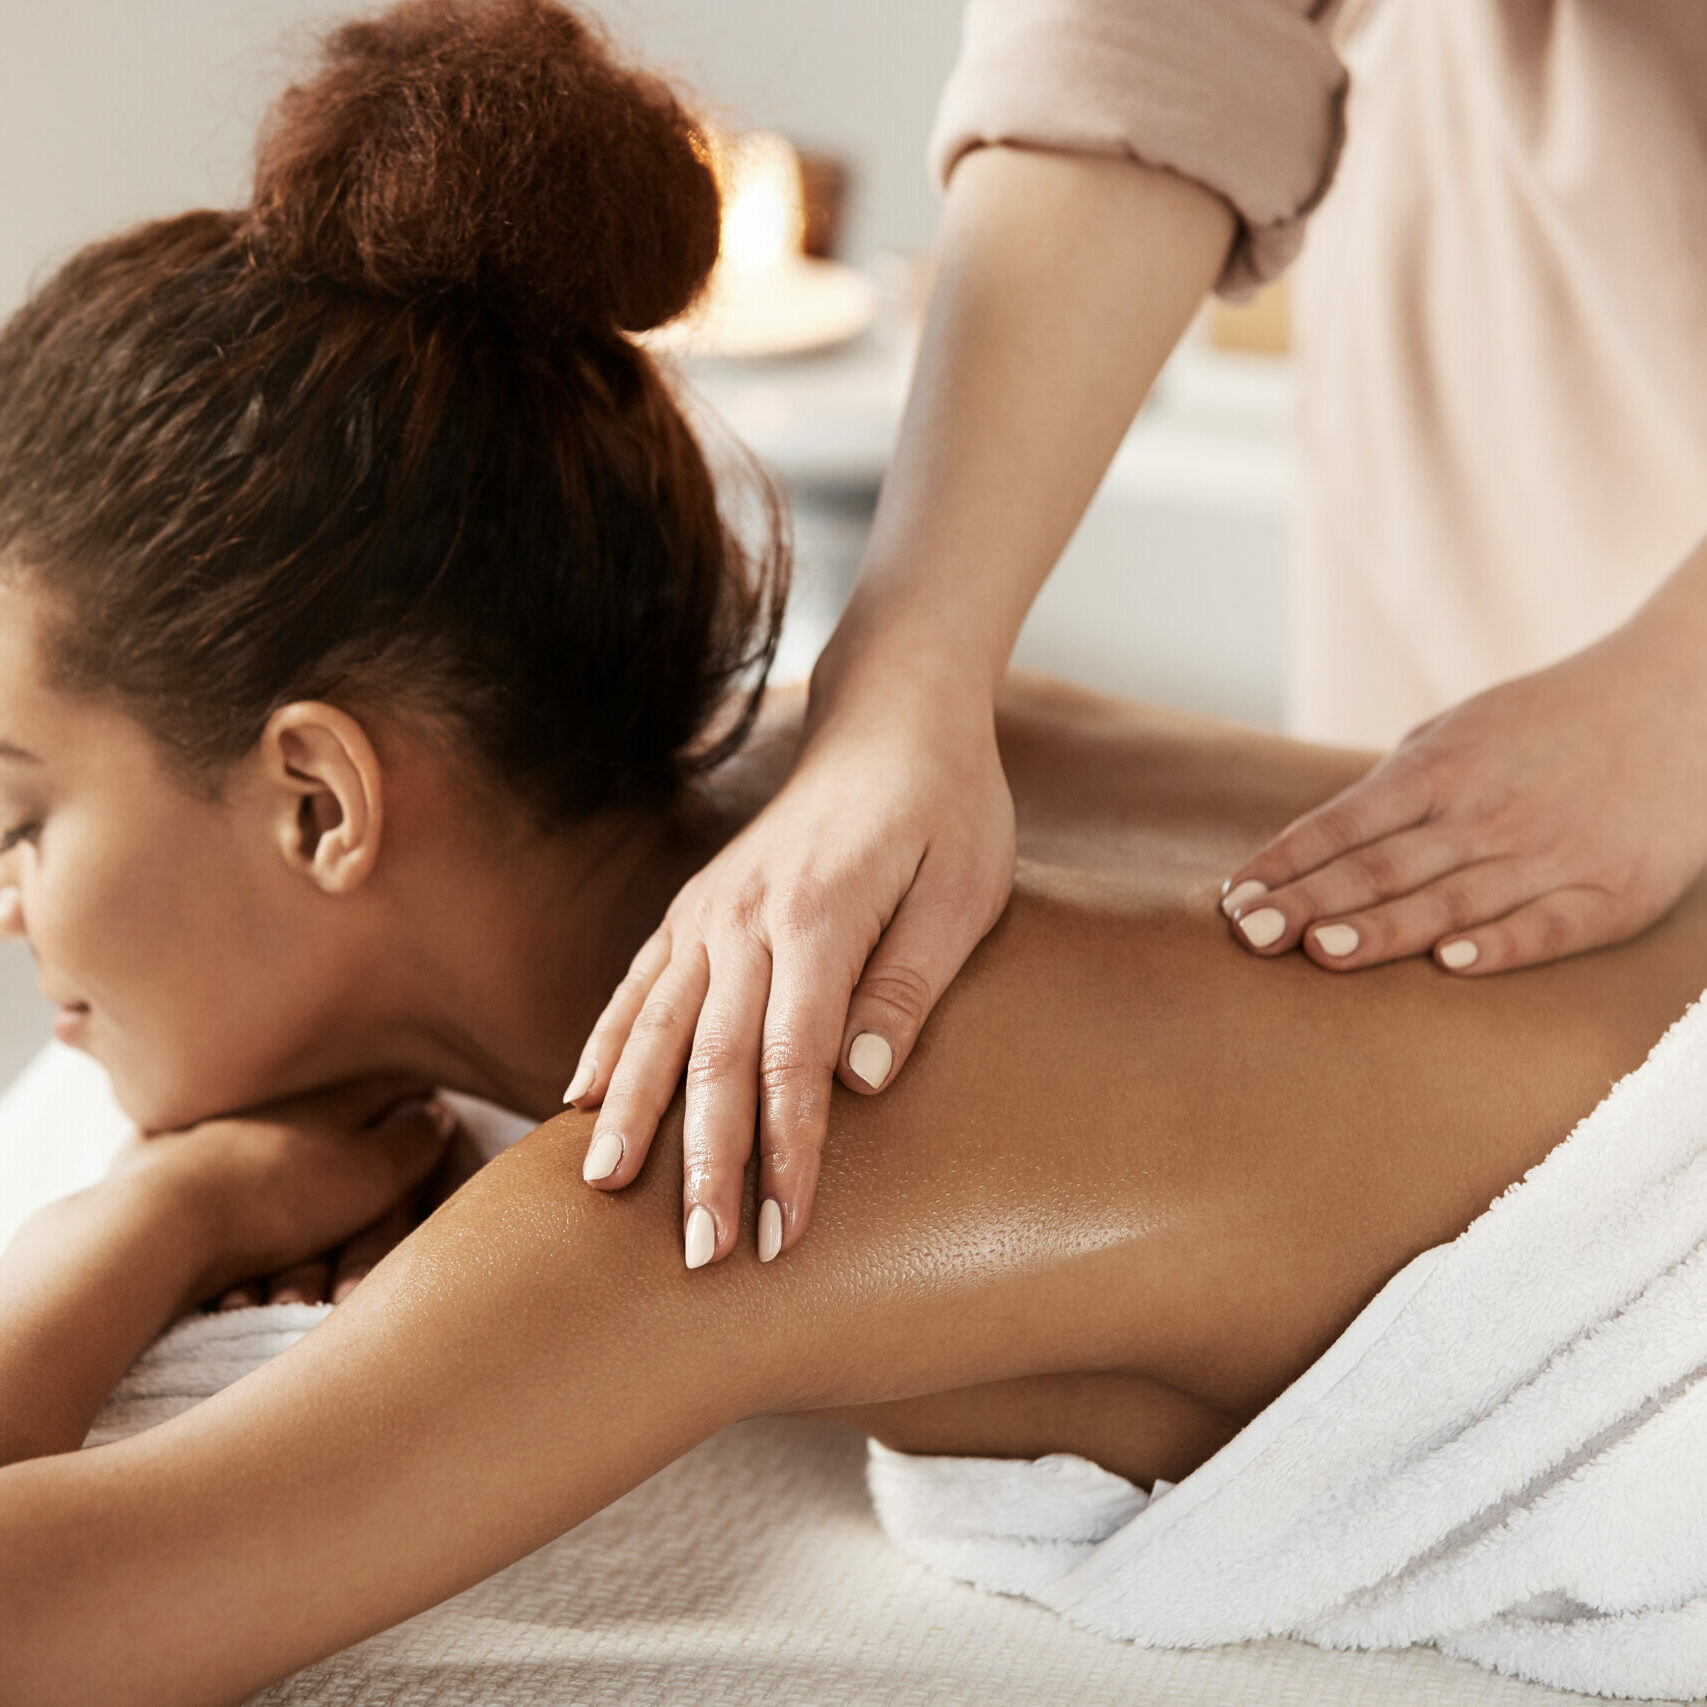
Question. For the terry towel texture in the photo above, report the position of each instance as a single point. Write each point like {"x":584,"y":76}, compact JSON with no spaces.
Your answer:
{"x":1505,"y":1455}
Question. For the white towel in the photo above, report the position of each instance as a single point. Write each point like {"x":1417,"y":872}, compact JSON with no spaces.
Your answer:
{"x":1505,"y":1455}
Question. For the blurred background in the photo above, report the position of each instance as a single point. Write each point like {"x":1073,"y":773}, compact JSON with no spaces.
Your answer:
{"x":1172,"y":590}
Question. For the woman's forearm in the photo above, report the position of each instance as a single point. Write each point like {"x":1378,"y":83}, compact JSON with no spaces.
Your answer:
{"x":1063,"y":282}
{"x":86,"y":1283}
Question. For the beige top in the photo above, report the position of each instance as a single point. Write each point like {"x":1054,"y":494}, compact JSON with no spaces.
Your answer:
{"x":1502,"y":312}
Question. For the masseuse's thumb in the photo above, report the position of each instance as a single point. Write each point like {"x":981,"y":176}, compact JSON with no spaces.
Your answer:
{"x":915,"y":960}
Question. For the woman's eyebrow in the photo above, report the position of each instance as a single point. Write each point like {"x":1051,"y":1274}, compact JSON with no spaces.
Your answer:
{"x":9,"y":751}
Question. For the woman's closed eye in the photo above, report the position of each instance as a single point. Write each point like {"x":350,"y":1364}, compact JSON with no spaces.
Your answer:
{"x":23,"y":833}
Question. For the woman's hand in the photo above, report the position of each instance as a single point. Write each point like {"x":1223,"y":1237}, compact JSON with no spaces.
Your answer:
{"x":282,"y":1185}
{"x":331,"y":1277}
{"x":817,"y":941}
{"x":1552,"y":814}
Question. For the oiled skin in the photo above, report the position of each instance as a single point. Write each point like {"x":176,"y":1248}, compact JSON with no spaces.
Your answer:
{"x":1132,"y":1182}
{"x":1286,"y":1139}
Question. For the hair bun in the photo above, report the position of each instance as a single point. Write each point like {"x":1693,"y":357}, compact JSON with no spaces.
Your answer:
{"x":492,"y":146}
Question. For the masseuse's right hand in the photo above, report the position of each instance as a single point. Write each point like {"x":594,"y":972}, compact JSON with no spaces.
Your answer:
{"x":819,"y":940}
{"x":815,"y":944}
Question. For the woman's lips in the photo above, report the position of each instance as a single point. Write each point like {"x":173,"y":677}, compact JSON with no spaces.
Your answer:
{"x":70,"y":1020}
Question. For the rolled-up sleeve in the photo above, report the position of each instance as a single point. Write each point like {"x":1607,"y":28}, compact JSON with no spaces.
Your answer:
{"x":1247,"y":97}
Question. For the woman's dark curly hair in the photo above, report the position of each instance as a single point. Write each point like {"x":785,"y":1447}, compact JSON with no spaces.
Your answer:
{"x":382,"y":436}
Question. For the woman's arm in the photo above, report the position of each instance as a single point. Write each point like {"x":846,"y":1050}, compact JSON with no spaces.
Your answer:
{"x":90,"y":1280}
{"x":85,"y":1284}
{"x":477,"y":1396}
{"x":840,"y":916}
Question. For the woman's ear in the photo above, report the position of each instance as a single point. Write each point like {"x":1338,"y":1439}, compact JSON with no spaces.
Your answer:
{"x":321,"y":763}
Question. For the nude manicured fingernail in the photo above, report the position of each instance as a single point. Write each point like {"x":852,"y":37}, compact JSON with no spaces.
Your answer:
{"x":1337,"y":940}
{"x":1249,"y":890}
{"x":870,"y":1058}
{"x":1455,"y":956}
{"x":770,"y":1229}
{"x":604,"y":1157}
{"x":1265,"y":925}
{"x":701,"y":1239}
{"x":582,"y":1082}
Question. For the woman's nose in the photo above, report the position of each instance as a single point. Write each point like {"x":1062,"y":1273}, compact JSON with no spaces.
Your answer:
{"x":11,"y":910}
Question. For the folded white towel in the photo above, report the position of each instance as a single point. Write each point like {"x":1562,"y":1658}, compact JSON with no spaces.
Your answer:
{"x":1505,"y":1455}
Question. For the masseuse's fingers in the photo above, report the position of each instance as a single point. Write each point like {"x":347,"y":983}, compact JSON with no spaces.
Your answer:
{"x":359,"y":1256}
{"x":609,"y":1036}
{"x":1567,"y":921}
{"x":646,"y":1077}
{"x":921,"y":951}
{"x":1378,"y":871}
{"x":1397,"y":794}
{"x":810,"y":983}
{"x":1437,"y":913}
{"x":722,"y":1097}
{"x":302,"y":1283}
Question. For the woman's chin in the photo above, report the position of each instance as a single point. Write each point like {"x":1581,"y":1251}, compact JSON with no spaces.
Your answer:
{"x":152,"y":1104}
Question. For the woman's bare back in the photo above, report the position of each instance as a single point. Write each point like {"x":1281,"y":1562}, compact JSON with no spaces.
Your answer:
{"x":1240,"y":1152}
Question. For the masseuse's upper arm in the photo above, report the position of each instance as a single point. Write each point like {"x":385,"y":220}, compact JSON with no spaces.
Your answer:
{"x":1245,"y":96}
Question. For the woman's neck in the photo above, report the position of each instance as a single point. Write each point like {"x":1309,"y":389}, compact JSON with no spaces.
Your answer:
{"x":493,"y":948}
{"x":522,"y":968}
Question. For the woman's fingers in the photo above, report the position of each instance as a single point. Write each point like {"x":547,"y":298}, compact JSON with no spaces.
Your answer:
{"x":1397,"y":794}
{"x":367,"y":1248}
{"x":645,"y":1079}
{"x":722,"y":1098}
{"x":1383,"y":870}
{"x":609,"y":1036}
{"x":302,"y":1283}
{"x":246,"y":1297}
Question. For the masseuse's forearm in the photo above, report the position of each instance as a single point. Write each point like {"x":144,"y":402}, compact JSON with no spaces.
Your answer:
{"x":1675,"y":616}
{"x":84,"y":1285}
{"x":1063,"y":282}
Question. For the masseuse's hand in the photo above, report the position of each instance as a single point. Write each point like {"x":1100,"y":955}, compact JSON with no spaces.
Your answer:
{"x":1555,"y":813}
{"x":280,"y":1187}
{"x":816,"y":943}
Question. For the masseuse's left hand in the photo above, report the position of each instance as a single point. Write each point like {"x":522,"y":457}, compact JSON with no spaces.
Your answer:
{"x":1552,"y":814}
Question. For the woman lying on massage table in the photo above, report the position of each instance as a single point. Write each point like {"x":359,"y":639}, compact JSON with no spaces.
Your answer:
{"x":366,"y":632}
